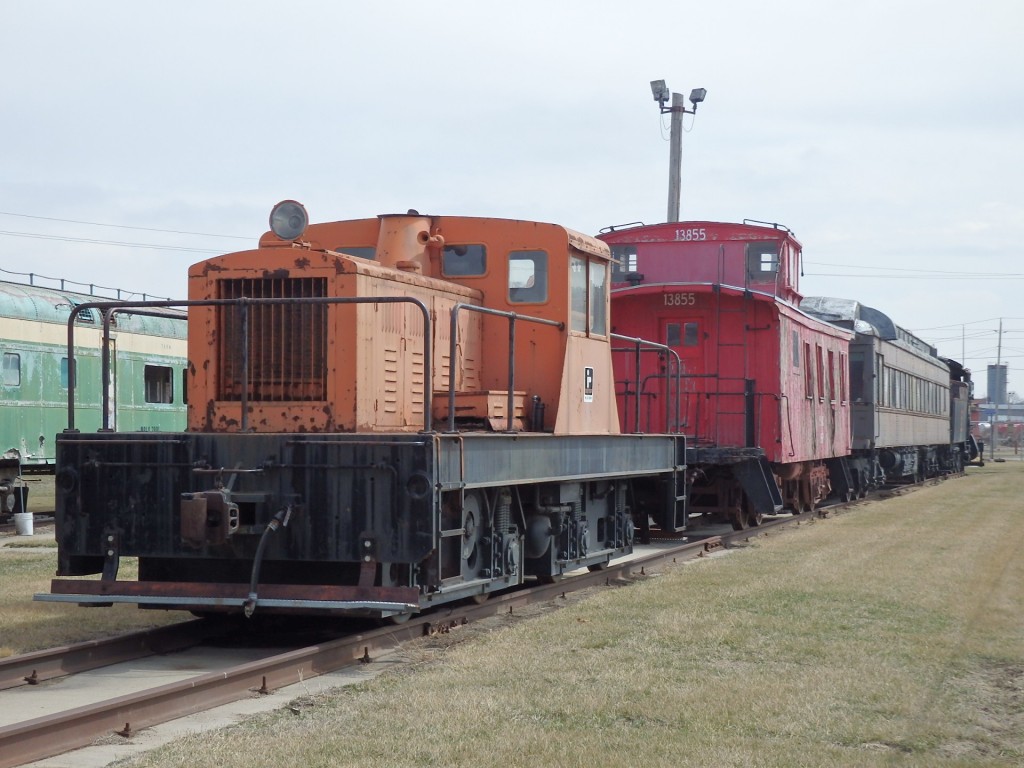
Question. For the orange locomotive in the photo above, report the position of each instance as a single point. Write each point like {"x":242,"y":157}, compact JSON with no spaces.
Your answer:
{"x":384,"y":414}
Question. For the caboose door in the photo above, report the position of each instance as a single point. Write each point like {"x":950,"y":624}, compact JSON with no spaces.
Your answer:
{"x":686,"y":336}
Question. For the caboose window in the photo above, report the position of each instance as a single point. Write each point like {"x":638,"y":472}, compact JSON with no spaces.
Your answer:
{"x":527,"y":277}
{"x":762,"y":259}
{"x":624,"y":262}
{"x":690,"y":335}
{"x":12,"y":369}
{"x":808,"y":375}
{"x":831,"y":375}
{"x":159,"y":387}
{"x":464,"y":260}
{"x":796,"y":349}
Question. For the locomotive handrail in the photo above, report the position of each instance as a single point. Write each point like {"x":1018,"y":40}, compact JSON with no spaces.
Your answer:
{"x":453,"y":348}
{"x":110,"y":308}
{"x":643,"y":345}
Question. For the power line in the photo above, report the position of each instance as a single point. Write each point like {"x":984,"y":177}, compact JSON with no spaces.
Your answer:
{"x":120,"y":226}
{"x":118,"y":243}
{"x":916,"y":271}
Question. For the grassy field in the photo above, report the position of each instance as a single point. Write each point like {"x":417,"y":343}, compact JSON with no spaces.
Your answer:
{"x":890,"y":635}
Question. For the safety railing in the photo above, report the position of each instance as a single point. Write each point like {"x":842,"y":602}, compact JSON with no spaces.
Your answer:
{"x":512,"y":317}
{"x":108,"y":309}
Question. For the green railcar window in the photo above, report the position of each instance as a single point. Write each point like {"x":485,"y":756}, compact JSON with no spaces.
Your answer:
{"x":12,"y":369}
{"x":159,"y":384}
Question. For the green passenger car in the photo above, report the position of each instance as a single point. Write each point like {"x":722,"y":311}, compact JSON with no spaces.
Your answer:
{"x":147,"y":390}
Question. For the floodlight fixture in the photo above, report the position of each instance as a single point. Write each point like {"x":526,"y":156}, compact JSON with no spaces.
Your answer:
{"x":697,"y":96}
{"x":660,"y":91}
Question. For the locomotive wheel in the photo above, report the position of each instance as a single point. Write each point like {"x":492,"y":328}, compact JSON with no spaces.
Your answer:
{"x":480,"y":599}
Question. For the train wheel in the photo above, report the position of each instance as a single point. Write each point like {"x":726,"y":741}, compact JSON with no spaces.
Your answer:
{"x":754,"y":518}
{"x":480,"y":599}
{"x":738,"y":518}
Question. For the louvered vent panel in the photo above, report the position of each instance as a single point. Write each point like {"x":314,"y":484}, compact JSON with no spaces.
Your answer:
{"x":287,"y":342}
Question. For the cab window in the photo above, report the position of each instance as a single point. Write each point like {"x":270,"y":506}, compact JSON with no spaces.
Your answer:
{"x":527,"y":277}
{"x":464,"y":260}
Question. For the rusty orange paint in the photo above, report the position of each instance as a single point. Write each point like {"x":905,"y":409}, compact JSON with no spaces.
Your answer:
{"x":373,"y":354}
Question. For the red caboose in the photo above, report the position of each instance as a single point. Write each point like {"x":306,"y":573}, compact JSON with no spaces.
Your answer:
{"x":762,"y":387}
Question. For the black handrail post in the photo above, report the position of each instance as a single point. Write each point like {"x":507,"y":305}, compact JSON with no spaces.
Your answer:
{"x":510,"y":407}
{"x":244,"y":400}
{"x":105,"y":370}
{"x":453,"y":346}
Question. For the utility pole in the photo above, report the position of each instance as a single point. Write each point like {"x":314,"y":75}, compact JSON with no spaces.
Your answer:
{"x":999,"y":368}
{"x":675,"y":156}
{"x":678,"y":108}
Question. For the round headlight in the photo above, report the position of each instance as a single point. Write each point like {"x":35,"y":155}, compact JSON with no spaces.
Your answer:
{"x":288,"y":220}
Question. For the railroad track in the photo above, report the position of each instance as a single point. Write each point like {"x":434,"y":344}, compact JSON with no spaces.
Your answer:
{"x":126,"y":714}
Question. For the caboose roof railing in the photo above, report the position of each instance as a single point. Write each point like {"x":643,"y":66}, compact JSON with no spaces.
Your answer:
{"x":109,"y":308}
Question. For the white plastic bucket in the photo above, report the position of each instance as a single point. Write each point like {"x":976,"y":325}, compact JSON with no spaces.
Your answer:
{"x":23,"y":523}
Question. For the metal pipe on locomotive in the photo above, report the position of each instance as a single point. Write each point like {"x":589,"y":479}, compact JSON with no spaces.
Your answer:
{"x":312,"y":476}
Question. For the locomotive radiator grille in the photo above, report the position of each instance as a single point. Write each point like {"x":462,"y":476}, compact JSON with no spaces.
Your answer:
{"x":287,"y":343}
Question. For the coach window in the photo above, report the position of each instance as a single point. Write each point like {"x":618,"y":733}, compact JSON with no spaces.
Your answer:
{"x":880,"y":374}
{"x":158,"y":380}
{"x":184,"y":386}
{"x":842,"y":377}
{"x":796,"y":349}
{"x":12,"y":369}
{"x":527,"y":277}
{"x":464,"y":260}
{"x":856,"y":375}
{"x":65,"y":373}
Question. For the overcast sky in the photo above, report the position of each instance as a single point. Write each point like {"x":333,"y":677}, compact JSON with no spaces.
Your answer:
{"x":889,"y":136}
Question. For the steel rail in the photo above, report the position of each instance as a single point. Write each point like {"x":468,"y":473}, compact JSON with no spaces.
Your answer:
{"x":39,"y":666}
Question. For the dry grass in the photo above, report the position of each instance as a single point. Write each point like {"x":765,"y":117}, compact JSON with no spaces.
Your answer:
{"x":890,"y":636}
{"x":29,"y":626}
